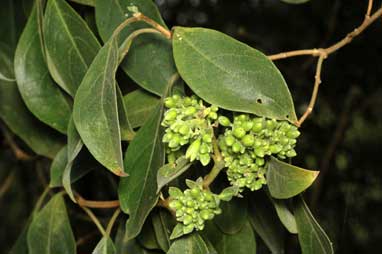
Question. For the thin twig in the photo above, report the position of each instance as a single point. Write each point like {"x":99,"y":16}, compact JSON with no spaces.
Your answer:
{"x":140,"y":17}
{"x":18,"y":152}
{"x":112,"y":221}
{"x":323,"y":53}
{"x":316,"y":86}
{"x":7,"y":184}
{"x":97,"y":204}
{"x":369,"y":8}
{"x":94,"y":219}
{"x":218,"y":165}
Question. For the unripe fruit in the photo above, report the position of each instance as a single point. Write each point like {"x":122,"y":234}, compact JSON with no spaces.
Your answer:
{"x":238,"y":132}
{"x":229,"y":140}
{"x":170,"y":115}
{"x":169,"y":102}
{"x":248,"y":140}
{"x":190,"y":111}
{"x":193,"y":150}
{"x":224,"y":121}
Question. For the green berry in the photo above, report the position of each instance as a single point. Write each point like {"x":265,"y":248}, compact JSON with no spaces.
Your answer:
{"x":229,"y":140}
{"x":224,"y":121}
{"x":236,"y":147}
{"x":170,"y":115}
{"x":207,"y":138}
{"x":205,"y":215}
{"x":204,"y":159}
{"x":238,"y":132}
{"x":193,"y":150}
{"x":213,"y":115}
{"x":184,"y":130}
{"x":190,"y":111}
{"x":248,"y":140}
{"x":169,"y":102}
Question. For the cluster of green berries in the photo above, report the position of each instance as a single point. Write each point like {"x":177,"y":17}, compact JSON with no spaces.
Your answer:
{"x":188,"y":122}
{"x":248,"y":141}
{"x":194,"y":206}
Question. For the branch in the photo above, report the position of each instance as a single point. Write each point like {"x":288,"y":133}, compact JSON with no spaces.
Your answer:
{"x":97,"y":204}
{"x":140,"y":17}
{"x":218,"y":165}
{"x":323,"y":53}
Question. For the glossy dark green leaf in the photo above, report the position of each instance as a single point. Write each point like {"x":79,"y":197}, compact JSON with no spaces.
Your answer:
{"x":312,"y":238}
{"x":95,"y":111}
{"x":40,"y":94}
{"x":295,"y":1}
{"x":85,"y":2}
{"x":162,"y":224}
{"x":233,"y":217}
{"x":152,"y":73}
{"x":285,"y":215}
{"x":75,"y":145}
{"x":265,"y":222}
{"x":285,"y":180}
{"x":57,"y":167}
{"x":190,"y":244}
{"x":50,"y":230}
{"x":105,"y":246}
{"x":70,"y":45}
{"x":147,"y":237}
{"x":13,"y":15}
{"x":40,"y":138}
{"x":140,"y":104}
{"x":127,"y":132}
{"x":170,"y":171}
{"x":125,"y":246}
{"x":242,"y":242}
{"x":246,"y":79}
{"x":144,"y":156}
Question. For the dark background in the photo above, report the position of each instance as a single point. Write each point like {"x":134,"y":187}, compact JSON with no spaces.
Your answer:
{"x":342,"y":138}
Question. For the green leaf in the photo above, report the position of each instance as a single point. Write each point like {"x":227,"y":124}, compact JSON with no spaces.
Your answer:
{"x":162,"y":223}
{"x":70,"y":45}
{"x":74,"y":147}
{"x":242,"y":242}
{"x":41,"y":139}
{"x":124,"y":246}
{"x":285,"y":180}
{"x":127,"y":132}
{"x":170,"y":171}
{"x":95,"y":111}
{"x":57,"y":167}
{"x":233,"y":217}
{"x":50,"y":230}
{"x":109,"y":14}
{"x":190,"y":244}
{"x":285,"y":215}
{"x":265,"y":222}
{"x":246,"y":79}
{"x":140,"y":104}
{"x":147,"y":237}
{"x":13,"y":15}
{"x":85,"y":2}
{"x":177,"y":231}
{"x":295,"y":1}
{"x":105,"y":246}
{"x":312,"y":238}
{"x":144,"y":156}
{"x":40,"y":94}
